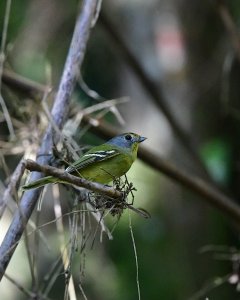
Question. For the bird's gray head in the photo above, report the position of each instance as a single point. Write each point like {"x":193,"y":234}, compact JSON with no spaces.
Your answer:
{"x":127,"y":140}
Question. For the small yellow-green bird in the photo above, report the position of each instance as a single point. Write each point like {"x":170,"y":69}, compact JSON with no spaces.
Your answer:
{"x":101,"y":163}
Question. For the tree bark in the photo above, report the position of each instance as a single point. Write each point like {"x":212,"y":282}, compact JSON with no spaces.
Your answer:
{"x":59,"y":113}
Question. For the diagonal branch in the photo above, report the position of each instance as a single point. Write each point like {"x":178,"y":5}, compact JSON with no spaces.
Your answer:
{"x":22,"y":84}
{"x":59,"y":113}
{"x":2,"y":58}
{"x":230,"y":26}
{"x":153,"y":90}
{"x":12,"y":186}
{"x":210,"y":193}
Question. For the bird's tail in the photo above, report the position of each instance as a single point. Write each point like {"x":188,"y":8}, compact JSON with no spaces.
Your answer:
{"x":38,"y":183}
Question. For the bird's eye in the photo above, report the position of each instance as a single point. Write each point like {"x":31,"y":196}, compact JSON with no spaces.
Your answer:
{"x":128,"y":137}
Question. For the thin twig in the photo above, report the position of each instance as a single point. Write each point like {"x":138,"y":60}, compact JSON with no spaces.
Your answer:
{"x":35,"y":254}
{"x":104,"y":104}
{"x":93,"y":94}
{"x":29,"y":294}
{"x":7,"y":117}
{"x":30,"y":260}
{"x":51,"y":277}
{"x":230,"y":26}
{"x":214,"y":283}
{"x":69,"y":286}
{"x":135,"y":254}
{"x":4,"y":37}
{"x":23,"y":84}
{"x":63,"y":216}
{"x":82,"y":291}
{"x":59,"y":113}
{"x":2,"y":58}
{"x":4,"y":34}
{"x":12,"y":186}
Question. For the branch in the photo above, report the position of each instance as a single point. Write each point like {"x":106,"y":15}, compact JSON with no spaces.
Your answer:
{"x":153,"y":90}
{"x":230,"y":26}
{"x":12,"y":186}
{"x":64,"y":176}
{"x":23,"y":84}
{"x":81,"y":182}
{"x":59,"y":113}
{"x":210,"y":194}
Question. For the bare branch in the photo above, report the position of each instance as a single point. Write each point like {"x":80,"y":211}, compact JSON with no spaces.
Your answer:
{"x":20,"y":287}
{"x":230,"y":26}
{"x":210,"y":194}
{"x":59,"y":113}
{"x":2,"y":58}
{"x":153,"y":89}
{"x":68,"y":178}
{"x":66,"y":259}
{"x":7,"y":117}
{"x":194,"y":183}
{"x":23,"y":84}
{"x":12,"y":186}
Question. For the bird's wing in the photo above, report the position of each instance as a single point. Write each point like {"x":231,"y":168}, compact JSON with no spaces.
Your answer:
{"x":90,"y":158}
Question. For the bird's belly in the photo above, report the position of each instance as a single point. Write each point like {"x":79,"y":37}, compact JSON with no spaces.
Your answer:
{"x":106,"y":171}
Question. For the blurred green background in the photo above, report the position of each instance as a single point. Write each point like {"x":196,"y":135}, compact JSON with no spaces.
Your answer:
{"x":188,"y":55}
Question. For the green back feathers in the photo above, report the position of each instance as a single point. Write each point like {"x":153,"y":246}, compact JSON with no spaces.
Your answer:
{"x":102,"y":163}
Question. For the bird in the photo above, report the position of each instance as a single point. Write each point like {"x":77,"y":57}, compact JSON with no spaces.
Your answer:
{"x":102,"y":163}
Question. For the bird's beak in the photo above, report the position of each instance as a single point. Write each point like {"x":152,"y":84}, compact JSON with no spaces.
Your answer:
{"x":141,"y":139}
